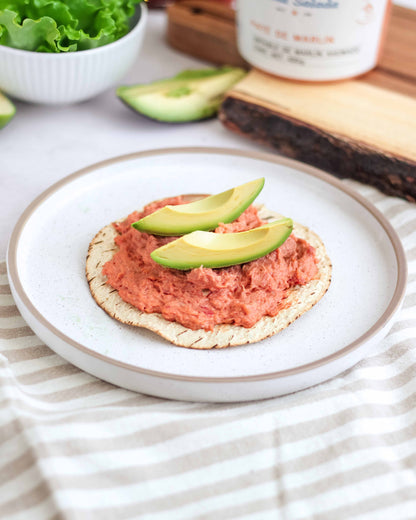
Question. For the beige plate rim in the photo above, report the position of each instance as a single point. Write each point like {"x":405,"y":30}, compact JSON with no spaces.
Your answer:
{"x":310,"y":170}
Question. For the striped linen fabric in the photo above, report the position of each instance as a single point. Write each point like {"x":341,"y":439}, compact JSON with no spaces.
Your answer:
{"x":74,"y":447}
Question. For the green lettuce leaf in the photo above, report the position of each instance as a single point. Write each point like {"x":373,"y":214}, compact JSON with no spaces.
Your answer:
{"x":29,"y":35}
{"x":64,"y":26}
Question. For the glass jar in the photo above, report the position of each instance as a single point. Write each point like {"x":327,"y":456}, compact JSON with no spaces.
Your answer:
{"x":312,"y":40}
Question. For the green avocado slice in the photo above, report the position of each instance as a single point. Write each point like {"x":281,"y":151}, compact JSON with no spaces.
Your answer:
{"x":7,"y":110}
{"x":204,"y":214}
{"x":189,"y":96}
{"x":202,"y":248}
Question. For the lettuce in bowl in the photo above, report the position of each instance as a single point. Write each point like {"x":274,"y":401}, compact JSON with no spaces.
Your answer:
{"x":64,"y":26}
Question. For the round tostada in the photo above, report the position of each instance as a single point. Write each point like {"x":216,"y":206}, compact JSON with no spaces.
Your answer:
{"x":206,"y":308}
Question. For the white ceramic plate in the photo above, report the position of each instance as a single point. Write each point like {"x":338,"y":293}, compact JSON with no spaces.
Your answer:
{"x":46,"y":263}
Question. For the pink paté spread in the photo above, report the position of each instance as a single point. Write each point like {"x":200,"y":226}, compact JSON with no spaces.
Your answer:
{"x":202,"y":298}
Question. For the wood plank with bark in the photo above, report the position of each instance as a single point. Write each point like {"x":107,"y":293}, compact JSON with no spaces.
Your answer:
{"x":364,"y":128}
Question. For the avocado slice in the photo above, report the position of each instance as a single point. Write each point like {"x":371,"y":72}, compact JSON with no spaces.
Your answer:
{"x":7,"y":110}
{"x":202,"y":248}
{"x":204,"y":214}
{"x":189,"y":96}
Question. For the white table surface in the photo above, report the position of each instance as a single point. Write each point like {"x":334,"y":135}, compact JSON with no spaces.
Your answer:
{"x":43,"y":144}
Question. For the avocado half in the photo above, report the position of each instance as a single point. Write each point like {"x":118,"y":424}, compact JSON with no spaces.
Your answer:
{"x":7,"y":110}
{"x":204,"y":214}
{"x":189,"y":96}
{"x":202,"y":248}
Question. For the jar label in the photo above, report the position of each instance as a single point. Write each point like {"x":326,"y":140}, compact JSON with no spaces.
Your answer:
{"x":311,"y":39}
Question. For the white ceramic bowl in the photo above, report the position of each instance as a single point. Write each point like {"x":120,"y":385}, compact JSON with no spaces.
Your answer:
{"x":65,"y":78}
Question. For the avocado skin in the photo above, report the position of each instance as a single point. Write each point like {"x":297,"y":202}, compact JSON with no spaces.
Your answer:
{"x":7,"y":110}
{"x":204,"y":214}
{"x":191,"y":95}
{"x":128,"y":105}
{"x":191,"y":251}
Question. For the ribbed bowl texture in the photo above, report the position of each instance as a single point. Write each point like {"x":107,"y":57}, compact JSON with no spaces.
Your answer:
{"x":65,"y":78}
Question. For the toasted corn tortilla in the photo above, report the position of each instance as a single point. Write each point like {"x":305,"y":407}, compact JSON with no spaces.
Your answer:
{"x":301,"y":298}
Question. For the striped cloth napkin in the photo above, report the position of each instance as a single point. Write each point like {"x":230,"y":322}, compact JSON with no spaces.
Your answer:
{"x":74,"y":447}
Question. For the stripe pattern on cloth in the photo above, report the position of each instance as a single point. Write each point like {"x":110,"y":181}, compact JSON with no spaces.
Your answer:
{"x":74,"y":447}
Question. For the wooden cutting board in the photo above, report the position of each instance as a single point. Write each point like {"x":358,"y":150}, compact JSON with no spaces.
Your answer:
{"x":363,"y":129}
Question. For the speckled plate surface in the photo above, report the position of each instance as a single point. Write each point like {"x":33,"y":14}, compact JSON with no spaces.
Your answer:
{"x":46,"y":264}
